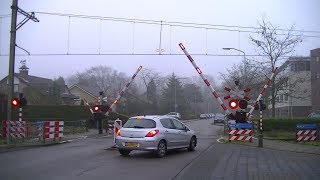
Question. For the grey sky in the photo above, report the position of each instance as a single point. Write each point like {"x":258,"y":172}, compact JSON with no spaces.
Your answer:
{"x":50,"y":35}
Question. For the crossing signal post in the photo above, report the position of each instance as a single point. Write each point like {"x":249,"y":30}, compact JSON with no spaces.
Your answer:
{"x":239,"y":102}
{"x":261,"y":107}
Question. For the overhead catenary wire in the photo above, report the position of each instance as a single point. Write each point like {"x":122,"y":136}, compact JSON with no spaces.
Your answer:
{"x":177,"y":23}
{"x":140,"y":54}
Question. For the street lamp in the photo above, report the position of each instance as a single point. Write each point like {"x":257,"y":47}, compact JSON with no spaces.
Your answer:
{"x":245,"y":62}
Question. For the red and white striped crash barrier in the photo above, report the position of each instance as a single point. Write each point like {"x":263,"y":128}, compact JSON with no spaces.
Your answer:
{"x":306,"y":135}
{"x":14,"y":129}
{"x":240,"y":135}
{"x":53,"y":129}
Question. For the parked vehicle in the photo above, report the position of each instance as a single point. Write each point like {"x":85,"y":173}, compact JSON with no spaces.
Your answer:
{"x":154,"y":133}
{"x":314,"y":115}
{"x":203,"y":116}
{"x":174,"y":114}
{"x":219,"y":118}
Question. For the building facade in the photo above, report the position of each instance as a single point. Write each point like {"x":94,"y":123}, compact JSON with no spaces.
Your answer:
{"x":294,"y":89}
{"x":315,"y":80}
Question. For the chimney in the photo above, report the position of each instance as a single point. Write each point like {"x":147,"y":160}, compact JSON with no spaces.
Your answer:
{"x":24,"y":70}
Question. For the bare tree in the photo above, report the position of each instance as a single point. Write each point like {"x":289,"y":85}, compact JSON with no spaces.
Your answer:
{"x":273,"y":44}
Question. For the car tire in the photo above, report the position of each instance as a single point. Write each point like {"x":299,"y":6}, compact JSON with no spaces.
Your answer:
{"x":192,"y":144}
{"x":124,"y":152}
{"x":162,"y":149}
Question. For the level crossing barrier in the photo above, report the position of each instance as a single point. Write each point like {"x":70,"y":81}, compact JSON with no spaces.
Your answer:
{"x":240,"y":132}
{"x":306,"y":132}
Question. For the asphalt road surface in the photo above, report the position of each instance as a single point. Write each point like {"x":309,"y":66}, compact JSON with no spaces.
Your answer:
{"x":88,"y":159}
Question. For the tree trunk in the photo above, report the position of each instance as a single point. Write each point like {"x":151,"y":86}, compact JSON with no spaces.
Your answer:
{"x":273,"y":98}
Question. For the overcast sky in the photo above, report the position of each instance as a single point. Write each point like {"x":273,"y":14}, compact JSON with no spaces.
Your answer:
{"x":60,"y":35}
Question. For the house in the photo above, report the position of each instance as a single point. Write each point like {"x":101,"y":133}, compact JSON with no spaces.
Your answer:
{"x":294,"y":95}
{"x":85,"y":93}
{"x":36,"y":90}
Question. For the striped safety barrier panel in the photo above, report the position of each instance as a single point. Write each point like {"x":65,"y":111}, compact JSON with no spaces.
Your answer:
{"x":240,"y":132}
{"x":306,"y":132}
{"x":52,"y":129}
{"x":110,"y":127}
{"x":14,"y":129}
{"x":117,"y":127}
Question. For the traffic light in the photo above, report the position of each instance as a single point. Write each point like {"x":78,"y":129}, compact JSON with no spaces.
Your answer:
{"x":22,"y":100}
{"x":234,"y":103}
{"x":15,"y":102}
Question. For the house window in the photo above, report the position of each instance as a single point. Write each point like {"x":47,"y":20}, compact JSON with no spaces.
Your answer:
{"x":16,"y":88}
{"x":317,"y":59}
{"x":307,"y":66}
{"x":281,"y":98}
{"x":318,"y":75}
{"x":286,"y":98}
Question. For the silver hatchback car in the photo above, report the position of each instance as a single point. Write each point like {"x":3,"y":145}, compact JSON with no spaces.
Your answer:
{"x":154,"y":133}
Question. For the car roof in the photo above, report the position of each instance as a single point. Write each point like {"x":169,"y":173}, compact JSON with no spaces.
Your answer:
{"x":149,"y":116}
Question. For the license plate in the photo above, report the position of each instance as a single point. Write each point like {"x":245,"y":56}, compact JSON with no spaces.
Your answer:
{"x":131,"y":144}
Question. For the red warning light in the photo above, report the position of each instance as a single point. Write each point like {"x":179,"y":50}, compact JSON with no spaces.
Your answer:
{"x":233,"y":104}
{"x":96,"y":108}
{"x":15,"y":102}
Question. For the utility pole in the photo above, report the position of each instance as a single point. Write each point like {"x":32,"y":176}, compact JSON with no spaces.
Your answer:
{"x":14,"y":12}
{"x":13,"y":32}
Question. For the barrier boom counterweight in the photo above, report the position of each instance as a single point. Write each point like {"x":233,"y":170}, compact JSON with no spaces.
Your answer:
{"x":122,"y":92}
{"x":214,"y":92}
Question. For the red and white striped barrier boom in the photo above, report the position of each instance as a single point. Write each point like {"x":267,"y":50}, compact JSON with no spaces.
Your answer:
{"x":87,"y":104}
{"x":214,"y":92}
{"x":263,"y":90}
{"x":122,"y":91}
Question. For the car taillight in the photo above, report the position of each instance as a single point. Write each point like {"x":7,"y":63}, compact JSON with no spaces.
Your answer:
{"x":152,"y":133}
{"x":118,"y":132}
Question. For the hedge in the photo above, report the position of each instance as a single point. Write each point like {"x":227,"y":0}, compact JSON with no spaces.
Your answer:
{"x":63,"y":112}
{"x":286,"y":124}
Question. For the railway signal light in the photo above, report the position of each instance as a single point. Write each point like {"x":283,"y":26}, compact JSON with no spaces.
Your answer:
{"x":22,"y":100}
{"x":15,"y":102}
{"x":243,"y":104}
{"x":96,"y":108}
{"x":234,"y":103}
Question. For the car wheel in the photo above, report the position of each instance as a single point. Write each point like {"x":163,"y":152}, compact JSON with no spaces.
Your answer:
{"x":124,"y":152}
{"x":162,"y":149}
{"x":192,"y":144}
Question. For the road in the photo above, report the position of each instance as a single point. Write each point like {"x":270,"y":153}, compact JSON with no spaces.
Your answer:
{"x":89,"y":159}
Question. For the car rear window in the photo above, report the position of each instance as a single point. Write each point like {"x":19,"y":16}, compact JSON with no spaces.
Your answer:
{"x":140,"y":123}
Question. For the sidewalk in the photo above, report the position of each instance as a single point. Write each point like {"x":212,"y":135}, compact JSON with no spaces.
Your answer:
{"x":279,"y":145}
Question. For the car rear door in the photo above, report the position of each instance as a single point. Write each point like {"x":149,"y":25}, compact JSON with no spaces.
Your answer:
{"x":183,"y":136}
{"x":170,"y":133}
